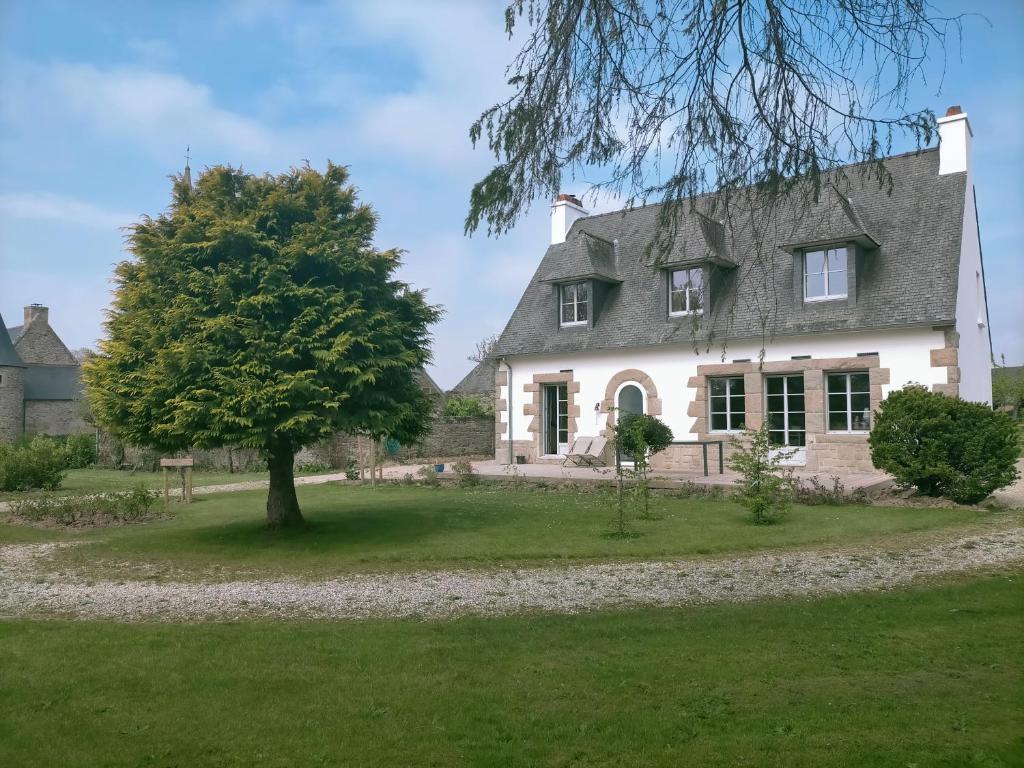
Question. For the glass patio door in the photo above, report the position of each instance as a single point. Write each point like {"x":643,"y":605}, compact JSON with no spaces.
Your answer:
{"x":786,"y":411}
{"x":631,"y":400}
{"x":556,"y":419}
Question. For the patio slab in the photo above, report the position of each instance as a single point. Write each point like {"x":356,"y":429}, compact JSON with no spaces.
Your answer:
{"x":554,"y":472}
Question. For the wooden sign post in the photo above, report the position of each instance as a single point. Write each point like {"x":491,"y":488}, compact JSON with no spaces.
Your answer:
{"x":181,"y":465}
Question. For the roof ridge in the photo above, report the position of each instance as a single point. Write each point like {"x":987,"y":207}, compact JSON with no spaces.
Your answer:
{"x":703,"y":195}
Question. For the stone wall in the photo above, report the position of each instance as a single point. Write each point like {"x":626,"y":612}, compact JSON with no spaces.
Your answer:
{"x":12,"y":413}
{"x":114,"y":453}
{"x":448,"y":438}
{"x":54,"y":417}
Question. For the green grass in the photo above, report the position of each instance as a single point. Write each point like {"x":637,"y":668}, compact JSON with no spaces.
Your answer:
{"x":92,"y":480}
{"x":357,"y":528}
{"x":925,"y":677}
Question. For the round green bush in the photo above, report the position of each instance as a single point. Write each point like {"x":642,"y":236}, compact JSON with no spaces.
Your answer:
{"x":944,"y":446}
{"x":638,"y":434}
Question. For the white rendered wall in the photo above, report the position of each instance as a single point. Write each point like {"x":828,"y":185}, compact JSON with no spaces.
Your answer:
{"x":975,"y":353}
{"x":906,"y":353}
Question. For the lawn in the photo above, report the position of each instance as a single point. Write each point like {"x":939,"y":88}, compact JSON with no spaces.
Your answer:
{"x":927,"y":677}
{"x":358,"y":528}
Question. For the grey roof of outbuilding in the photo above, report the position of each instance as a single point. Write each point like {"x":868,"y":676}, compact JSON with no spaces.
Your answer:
{"x":479,"y":381}
{"x":8,"y":354}
{"x":911,"y":279}
{"x":52,"y":382}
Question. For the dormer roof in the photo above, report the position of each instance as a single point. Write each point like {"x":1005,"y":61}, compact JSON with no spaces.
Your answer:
{"x":583,"y":256}
{"x":832,"y":219}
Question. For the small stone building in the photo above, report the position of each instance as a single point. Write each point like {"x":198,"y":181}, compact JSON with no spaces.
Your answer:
{"x":40,"y":384}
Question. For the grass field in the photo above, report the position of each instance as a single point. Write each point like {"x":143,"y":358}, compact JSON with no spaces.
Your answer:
{"x":358,"y":528}
{"x":926,"y":677}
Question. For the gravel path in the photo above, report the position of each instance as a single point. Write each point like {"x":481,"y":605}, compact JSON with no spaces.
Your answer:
{"x":26,"y":589}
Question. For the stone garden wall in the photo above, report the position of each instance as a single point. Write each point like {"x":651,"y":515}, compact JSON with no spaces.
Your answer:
{"x":448,"y":438}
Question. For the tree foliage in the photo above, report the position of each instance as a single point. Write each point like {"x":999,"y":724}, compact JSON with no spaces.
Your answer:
{"x":1008,"y":388}
{"x":675,"y":98}
{"x":639,"y":436}
{"x":764,"y":485}
{"x":760,"y":102}
{"x":467,"y":407}
{"x":944,"y":446}
{"x":257,"y":313}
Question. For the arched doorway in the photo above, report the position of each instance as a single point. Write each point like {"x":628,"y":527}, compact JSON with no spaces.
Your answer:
{"x":629,"y":400}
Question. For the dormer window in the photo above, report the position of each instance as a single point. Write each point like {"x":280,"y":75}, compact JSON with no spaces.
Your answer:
{"x":574,"y":303}
{"x":686,"y":292}
{"x":825,"y":274}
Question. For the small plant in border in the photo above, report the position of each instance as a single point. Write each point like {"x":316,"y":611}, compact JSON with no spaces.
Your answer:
{"x":640,"y":436}
{"x":467,"y":476}
{"x":765,"y":487}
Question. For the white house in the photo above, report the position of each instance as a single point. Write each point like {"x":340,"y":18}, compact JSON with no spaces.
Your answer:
{"x":806,"y":313}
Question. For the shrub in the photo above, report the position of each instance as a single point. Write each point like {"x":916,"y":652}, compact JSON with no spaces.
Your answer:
{"x":34,"y":465}
{"x":466,"y":474}
{"x":765,"y":487}
{"x":428,"y":475}
{"x":312,"y":466}
{"x":466,"y":407}
{"x":816,"y":493}
{"x":79,"y":451}
{"x":944,"y":446}
{"x":111,"y":508}
{"x":352,"y":470}
{"x":639,"y":436}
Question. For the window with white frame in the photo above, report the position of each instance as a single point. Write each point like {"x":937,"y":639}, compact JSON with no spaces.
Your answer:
{"x":686,"y":291}
{"x":825,"y":274}
{"x":849,"y":402}
{"x":728,"y":404}
{"x":574,"y":304}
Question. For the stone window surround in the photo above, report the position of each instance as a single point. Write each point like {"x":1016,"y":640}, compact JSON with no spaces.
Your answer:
{"x":628,"y":376}
{"x":500,"y":405}
{"x":535,"y":408}
{"x":947,"y":356}
{"x":753,"y":373}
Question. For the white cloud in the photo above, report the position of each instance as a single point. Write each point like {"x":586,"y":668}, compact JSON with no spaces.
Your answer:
{"x":149,"y":108}
{"x":67,"y":210}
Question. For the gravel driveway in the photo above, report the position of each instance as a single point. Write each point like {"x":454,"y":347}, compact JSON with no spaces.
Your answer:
{"x":26,"y":589}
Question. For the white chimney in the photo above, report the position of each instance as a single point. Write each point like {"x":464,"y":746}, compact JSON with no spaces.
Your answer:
{"x":954,"y":142}
{"x":564,"y":211}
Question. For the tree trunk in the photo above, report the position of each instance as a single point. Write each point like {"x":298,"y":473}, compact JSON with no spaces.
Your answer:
{"x":282,"y":504}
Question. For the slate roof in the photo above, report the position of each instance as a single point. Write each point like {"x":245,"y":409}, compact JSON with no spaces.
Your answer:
{"x":52,"y":382}
{"x":585,"y":255}
{"x":8,"y":354}
{"x":910,"y":279}
{"x":479,"y":381}
{"x":15,"y":333}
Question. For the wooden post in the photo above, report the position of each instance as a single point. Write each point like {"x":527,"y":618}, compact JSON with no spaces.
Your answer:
{"x":179,"y":465}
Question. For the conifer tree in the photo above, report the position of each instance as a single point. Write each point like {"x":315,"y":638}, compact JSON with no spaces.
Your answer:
{"x":256,"y":312}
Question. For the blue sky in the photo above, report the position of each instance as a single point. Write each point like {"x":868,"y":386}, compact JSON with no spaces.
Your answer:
{"x":98,"y":101}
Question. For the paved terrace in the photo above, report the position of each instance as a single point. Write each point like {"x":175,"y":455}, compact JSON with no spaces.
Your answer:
{"x":549,"y":472}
